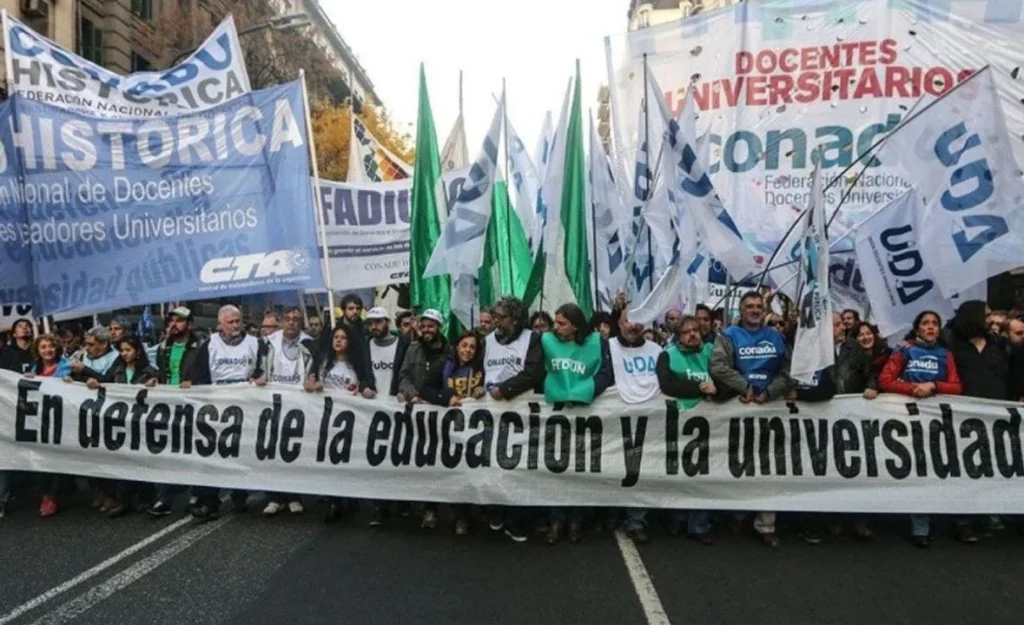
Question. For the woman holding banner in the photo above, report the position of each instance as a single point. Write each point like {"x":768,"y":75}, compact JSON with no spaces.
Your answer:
{"x":579,"y":368}
{"x":49,"y":363}
{"x":921,"y":369}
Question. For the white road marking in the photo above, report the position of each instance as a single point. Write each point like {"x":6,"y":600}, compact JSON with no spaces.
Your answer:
{"x":642,"y":584}
{"x":89,"y":574}
{"x":83,"y":602}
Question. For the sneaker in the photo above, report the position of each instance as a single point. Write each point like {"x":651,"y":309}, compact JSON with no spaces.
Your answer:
{"x":429,"y":519}
{"x":462,"y":527}
{"x":119,"y":511}
{"x":109,"y":503}
{"x":516,"y":533}
{"x":295,"y":507}
{"x":193,"y":501}
{"x":48,"y":507}
{"x":495,"y":520}
{"x":639,"y":536}
{"x":965,"y":534}
{"x":863,"y":532}
{"x":404,"y":509}
{"x":272,"y":509}
{"x":377,"y":516}
{"x":159,"y":509}
{"x":994,"y":523}
{"x":575,"y":532}
{"x":203,"y":513}
{"x":812,"y":538}
{"x":553,"y":534}
{"x":771,"y":541}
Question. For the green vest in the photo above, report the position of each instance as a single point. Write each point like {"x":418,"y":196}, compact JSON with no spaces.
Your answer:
{"x":570,"y":368}
{"x":690,"y":365}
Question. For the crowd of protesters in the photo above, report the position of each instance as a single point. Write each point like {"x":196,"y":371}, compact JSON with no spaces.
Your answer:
{"x":980,"y":353}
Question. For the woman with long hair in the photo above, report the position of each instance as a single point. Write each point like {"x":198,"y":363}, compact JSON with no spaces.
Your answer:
{"x":579,"y":369}
{"x":49,"y":362}
{"x":922,"y":369}
{"x":336,"y":370}
{"x":460,"y":379}
{"x":541,"y":322}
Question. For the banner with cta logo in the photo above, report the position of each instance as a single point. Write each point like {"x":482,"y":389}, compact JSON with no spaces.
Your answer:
{"x":942,"y":455}
{"x":96,"y":212}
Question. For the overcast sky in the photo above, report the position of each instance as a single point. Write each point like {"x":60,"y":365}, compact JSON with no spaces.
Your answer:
{"x":533,"y":44}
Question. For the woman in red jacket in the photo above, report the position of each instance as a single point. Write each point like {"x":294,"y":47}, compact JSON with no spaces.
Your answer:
{"x":922,"y":369}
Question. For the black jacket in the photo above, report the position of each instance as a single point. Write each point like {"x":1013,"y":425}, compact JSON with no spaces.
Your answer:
{"x":16,"y":359}
{"x":984,"y":374}
{"x":531,"y":378}
{"x":1016,"y":373}
{"x":118,"y":375}
{"x":419,"y":364}
{"x":823,"y":390}
{"x":854,"y":370}
{"x":673,"y":384}
{"x":163,"y":358}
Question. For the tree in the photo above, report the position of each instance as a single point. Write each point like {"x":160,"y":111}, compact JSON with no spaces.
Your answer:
{"x":332,"y":128}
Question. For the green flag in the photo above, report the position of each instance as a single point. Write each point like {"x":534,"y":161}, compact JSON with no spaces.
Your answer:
{"x":507,"y":258}
{"x":574,"y":207}
{"x":425,"y":227}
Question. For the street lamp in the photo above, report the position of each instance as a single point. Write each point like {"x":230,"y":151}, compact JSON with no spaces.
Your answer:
{"x":289,"y":21}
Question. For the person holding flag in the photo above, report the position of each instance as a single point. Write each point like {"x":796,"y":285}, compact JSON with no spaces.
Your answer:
{"x":752,"y":361}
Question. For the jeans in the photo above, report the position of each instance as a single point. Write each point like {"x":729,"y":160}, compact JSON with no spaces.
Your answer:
{"x":565,"y":515}
{"x":5,"y":488}
{"x":210,"y":497}
{"x":698,"y":523}
{"x":920,"y":525}
{"x":165,"y":493}
{"x":636,"y":519}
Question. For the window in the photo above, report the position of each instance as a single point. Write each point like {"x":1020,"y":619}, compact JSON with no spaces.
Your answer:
{"x":140,"y":63}
{"x":92,"y":42}
{"x":644,"y":19}
{"x":143,"y":8}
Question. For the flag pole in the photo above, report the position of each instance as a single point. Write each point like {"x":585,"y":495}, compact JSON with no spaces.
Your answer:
{"x":508,"y":179}
{"x":317,"y":203}
{"x":593,"y":218}
{"x":650,"y":189}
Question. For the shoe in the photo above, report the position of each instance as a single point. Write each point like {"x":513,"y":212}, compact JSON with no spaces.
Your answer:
{"x":377,"y":516}
{"x":272,"y":509}
{"x":516,"y":533}
{"x":108,"y":504}
{"x":771,"y":541}
{"x":462,"y":527}
{"x":429,"y":519}
{"x":862,"y":532}
{"x":496,"y":521}
{"x":812,"y":538}
{"x":965,"y":534}
{"x":575,"y":532}
{"x":193,"y":501}
{"x":203,"y":514}
{"x":705,"y":539}
{"x":48,"y":507}
{"x":639,"y":536}
{"x":922,"y":542}
{"x":159,"y":509}
{"x":334,"y":513}
{"x":404,"y":509}
{"x":553,"y":534}
{"x":295,"y":507}
{"x":994,"y":523}
{"x":119,"y":511}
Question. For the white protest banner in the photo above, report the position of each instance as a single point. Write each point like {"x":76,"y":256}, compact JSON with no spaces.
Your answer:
{"x":942,"y":455}
{"x":41,"y":70}
{"x":367,"y":228}
{"x":9,"y":313}
{"x":776,"y":78}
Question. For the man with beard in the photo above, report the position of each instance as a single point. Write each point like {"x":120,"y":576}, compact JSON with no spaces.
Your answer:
{"x":17,"y":357}
{"x":406,"y":322}
{"x":513,"y":365}
{"x":752,"y":361}
{"x":229,"y":357}
{"x":174,"y":356}
{"x":486,"y":325}
{"x":289,"y":358}
{"x":386,"y":351}
{"x":634,"y":363}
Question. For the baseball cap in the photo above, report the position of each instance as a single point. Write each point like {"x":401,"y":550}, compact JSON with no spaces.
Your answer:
{"x":181,"y":313}
{"x":378,"y":312}
{"x":433,"y":315}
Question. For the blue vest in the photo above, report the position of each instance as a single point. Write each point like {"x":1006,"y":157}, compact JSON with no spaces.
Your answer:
{"x":757,"y":355}
{"x":923,"y":364}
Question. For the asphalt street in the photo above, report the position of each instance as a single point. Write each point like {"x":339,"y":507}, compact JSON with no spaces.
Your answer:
{"x":244,"y":569}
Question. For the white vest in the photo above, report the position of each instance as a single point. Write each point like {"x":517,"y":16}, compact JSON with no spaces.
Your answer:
{"x":288,"y":368}
{"x":232,"y":364}
{"x":340,"y":376}
{"x":635,"y":375}
{"x":383,"y":361}
{"x":502,"y":362}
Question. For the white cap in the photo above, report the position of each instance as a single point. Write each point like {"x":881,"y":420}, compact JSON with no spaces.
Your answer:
{"x":378,"y":312}
{"x":433,"y":315}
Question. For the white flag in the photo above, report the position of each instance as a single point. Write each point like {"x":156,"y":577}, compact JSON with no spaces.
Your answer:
{"x":958,"y":154}
{"x":460,"y":250}
{"x":814,"y":348}
{"x":455,"y":153}
{"x":606,"y":205}
{"x":525,"y":180}
{"x":547,"y":136}
{"x":692,"y":190}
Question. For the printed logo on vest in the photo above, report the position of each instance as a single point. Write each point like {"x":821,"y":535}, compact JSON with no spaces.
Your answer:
{"x":639,"y":364}
{"x":286,"y":379}
{"x":493,"y":363}
{"x":231,"y":362}
{"x":763,"y":349}
{"x":568,"y":364}
{"x":697,"y":376}
{"x":380,"y":365}
{"x":924,"y":364}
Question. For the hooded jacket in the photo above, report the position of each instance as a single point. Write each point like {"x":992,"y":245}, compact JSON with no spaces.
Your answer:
{"x":419,"y":363}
